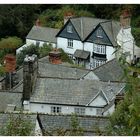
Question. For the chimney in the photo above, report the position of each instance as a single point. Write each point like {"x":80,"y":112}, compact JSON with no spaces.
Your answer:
{"x":55,"y":57}
{"x":125,"y":19}
{"x":30,"y":70}
{"x":37,"y":23}
{"x":67,"y":16}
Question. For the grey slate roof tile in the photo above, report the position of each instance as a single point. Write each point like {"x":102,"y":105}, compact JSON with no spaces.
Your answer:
{"x":5,"y":117}
{"x":72,"y":92}
{"x":85,"y":25}
{"x":87,"y":123}
{"x":60,"y":71}
{"x":9,"y":98}
{"x":81,"y":54}
{"x":43,"y":34}
{"x":110,"y":71}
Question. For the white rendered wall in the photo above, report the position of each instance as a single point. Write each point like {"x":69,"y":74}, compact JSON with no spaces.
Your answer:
{"x":88,"y":47}
{"x":110,"y":110}
{"x":46,"y":108}
{"x":30,"y":42}
{"x":110,"y":53}
{"x":127,"y":43}
{"x":63,"y":43}
{"x":109,"y":50}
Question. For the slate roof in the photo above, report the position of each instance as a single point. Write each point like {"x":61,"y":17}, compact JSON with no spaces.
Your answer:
{"x":81,"y":54}
{"x":9,"y":98}
{"x":85,"y":25}
{"x":60,"y":71}
{"x":43,"y":34}
{"x":110,"y":71}
{"x":87,"y":123}
{"x":112,"y":29}
{"x":71,"y":92}
{"x":5,"y":117}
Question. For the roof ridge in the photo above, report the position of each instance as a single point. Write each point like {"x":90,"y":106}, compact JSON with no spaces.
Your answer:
{"x":69,"y":115}
{"x":45,"y":27}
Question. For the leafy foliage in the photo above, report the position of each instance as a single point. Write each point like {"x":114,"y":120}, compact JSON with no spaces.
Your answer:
{"x":65,"y":57}
{"x":40,"y":52}
{"x":75,"y":129}
{"x":17,"y":126}
{"x":2,"y":71}
{"x":32,"y":49}
{"x":10,"y":42}
{"x":136,"y":34}
{"x":54,"y":18}
{"x":126,"y":119}
{"x":44,"y":50}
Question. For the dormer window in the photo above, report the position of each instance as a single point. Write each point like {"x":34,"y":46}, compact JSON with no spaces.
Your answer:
{"x":99,"y":33}
{"x":69,"y":29}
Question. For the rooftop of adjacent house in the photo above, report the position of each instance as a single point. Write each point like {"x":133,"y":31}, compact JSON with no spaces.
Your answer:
{"x":85,"y":25}
{"x":10,"y":100}
{"x":60,"y":71}
{"x":72,"y":92}
{"x":90,"y":125}
{"x":5,"y":118}
{"x":110,"y":71}
{"x":43,"y":34}
{"x":81,"y":54}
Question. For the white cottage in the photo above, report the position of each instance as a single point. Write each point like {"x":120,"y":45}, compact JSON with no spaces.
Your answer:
{"x":39,"y":35}
{"x":89,"y":40}
{"x":66,"y":95}
{"x":93,"y":41}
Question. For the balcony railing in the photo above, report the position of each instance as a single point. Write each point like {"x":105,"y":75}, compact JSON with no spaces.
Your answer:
{"x":97,"y":55}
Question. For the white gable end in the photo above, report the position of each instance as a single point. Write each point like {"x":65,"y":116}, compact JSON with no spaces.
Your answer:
{"x":91,"y":76}
{"x":98,"y":101}
{"x":127,"y":43}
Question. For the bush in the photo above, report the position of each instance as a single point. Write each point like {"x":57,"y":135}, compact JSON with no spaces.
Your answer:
{"x":44,"y":51}
{"x":65,"y":57}
{"x":32,"y":49}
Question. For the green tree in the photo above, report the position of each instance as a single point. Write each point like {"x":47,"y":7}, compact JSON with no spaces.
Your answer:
{"x":29,"y":50}
{"x":17,"y":125}
{"x":125,"y":121}
{"x":10,"y":42}
{"x":75,"y":129}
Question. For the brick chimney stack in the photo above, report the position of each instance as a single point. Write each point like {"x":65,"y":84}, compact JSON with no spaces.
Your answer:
{"x":67,"y":16}
{"x":37,"y":23}
{"x":55,"y":57}
{"x":30,"y":70}
{"x":125,"y":19}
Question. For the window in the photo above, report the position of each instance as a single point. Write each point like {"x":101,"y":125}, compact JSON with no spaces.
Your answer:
{"x":55,"y":109}
{"x":99,"y":33}
{"x":97,"y":63}
{"x":69,"y":29}
{"x":70,"y":43}
{"x":101,"y":49}
{"x":79,"y":111}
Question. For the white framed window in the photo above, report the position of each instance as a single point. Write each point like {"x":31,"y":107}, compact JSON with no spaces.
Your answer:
{"x":70,"y":43}
{"x":69,"y":29}
{"x":100,"y":49}
{"x":99,"y":33}
{"x":55,"y":109}
{"x":79,"y":111}
{"x":97,"y":63}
